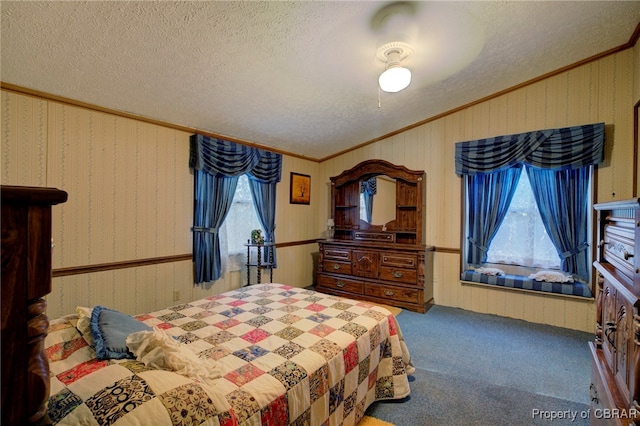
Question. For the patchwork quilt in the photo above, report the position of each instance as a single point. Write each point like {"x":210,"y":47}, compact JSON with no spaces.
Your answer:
{"x":285,"y":355}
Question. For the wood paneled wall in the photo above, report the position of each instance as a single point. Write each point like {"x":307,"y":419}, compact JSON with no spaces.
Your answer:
{"x":599,"y":91}
{"x":130,"y":190}
{"x":130,"y":199}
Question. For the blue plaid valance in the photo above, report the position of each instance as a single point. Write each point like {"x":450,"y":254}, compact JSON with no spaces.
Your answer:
{"x":370,"y":186}
{"x":565,"y":148}
{"x":224,"y":158}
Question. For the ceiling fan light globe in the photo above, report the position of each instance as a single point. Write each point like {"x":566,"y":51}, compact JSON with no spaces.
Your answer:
{"x":395,"y":79}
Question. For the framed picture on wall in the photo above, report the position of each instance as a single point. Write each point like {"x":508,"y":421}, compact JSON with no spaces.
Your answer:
{"x":300,"y":190}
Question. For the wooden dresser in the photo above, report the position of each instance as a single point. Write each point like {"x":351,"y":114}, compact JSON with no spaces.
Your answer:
{"x":615,"y":381}
{"x":26,"y":278}
{"x":384,"y":262}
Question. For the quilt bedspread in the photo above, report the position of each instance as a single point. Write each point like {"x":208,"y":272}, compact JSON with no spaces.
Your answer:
{"x":286,"y":355}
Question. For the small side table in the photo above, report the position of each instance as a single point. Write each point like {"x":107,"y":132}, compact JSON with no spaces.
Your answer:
{"x":259,"y":263}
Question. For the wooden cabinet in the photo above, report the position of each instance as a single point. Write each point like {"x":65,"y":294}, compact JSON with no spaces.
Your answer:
{"x":393,"y":274}
{"x":365,"y":263}
{"x":381,"y":260}
{"x":615,"y":383}
{"x":26,"y":278}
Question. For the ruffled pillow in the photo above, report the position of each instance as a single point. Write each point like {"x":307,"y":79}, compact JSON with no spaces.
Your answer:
{"x":84,"y":323}
{"x":110,"y":330}
{"x":157,"y":349}
{"x":489,"y":271}
{"x":552,"y":277}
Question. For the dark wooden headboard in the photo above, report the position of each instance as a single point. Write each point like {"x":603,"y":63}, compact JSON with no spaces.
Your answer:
{"x":26,"y":278}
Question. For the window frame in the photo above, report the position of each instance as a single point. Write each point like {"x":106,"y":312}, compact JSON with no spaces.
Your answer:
{"x":235,"y":261}
{"x":521,"y":269}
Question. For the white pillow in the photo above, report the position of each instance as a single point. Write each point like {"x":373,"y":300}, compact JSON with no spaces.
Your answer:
{"x":552,"y":277}
{"x":83,"y":324}
{"x":490,"y":271}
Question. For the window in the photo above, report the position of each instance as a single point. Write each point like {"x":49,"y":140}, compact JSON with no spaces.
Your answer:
{"x":521,"y":244}
{"x":363,"y":206}
{"x":559,"y":166}
{"x":237,"y":226}
{"x":212,"y":161}
{"x":522,"y":239}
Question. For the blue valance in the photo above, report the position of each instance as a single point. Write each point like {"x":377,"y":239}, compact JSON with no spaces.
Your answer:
{"x":224,"y":158}
{"x":369,"y":186}
{"x":565,"y":148}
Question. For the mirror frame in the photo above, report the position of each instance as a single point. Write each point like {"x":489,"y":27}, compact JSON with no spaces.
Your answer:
{"x":370,"y":168}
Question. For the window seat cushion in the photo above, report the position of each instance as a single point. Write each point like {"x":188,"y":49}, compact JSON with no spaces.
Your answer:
{"x":525,"y":283}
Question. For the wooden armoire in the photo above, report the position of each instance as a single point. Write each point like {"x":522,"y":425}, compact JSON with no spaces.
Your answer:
{"x":615,"y":377}
{"x":382,"y":258}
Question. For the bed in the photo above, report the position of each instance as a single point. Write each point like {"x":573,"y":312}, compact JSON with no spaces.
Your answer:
{"x":275,"y":355}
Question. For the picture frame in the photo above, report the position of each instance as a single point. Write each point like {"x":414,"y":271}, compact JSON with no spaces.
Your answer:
{"x":300,"y":189}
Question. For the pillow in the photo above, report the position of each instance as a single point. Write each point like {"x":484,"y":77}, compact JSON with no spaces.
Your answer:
{"x":552,"y":277}
{"x":84,"y":323}
{"x":110,"y":329}
{"x":490,"y":271}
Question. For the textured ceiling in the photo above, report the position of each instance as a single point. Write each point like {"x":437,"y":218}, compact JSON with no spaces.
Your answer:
{"x":300,"y":77}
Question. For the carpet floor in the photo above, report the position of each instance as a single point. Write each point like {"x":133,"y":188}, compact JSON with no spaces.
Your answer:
{"x":488,"y":370}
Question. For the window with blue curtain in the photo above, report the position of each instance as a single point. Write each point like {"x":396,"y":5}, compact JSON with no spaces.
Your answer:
{"x":522,"y":239}
{"x":235,"y":231}
{"x":558,"y":164}
{"x":368,"y":189}
{"x":217,"y":164}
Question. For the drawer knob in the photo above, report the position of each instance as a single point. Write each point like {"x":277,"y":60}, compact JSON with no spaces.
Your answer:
{"x":339,"y":284}
{"x":388,"y":293}
{"x":336,"y":266}
{"x":626,"y":255}
{"x":397,"y":274}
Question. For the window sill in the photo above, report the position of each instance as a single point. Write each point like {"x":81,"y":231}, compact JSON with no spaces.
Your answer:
{"x":524,"y":283}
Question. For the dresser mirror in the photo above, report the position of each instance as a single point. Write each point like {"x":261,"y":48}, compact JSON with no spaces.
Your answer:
{"x":397,"y":194}
{"x":378,"y":200}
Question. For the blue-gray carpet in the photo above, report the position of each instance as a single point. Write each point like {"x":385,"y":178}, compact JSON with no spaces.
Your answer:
{"x":487,"y":370}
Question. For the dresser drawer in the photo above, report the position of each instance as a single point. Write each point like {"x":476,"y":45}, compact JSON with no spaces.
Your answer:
{"x":619,"y":249}
{"x":341,"y":284}
{"x":335,"y":267}
{"x":399,"y":260}
{"x":393,"y":293}
{"x":408,"y":276}
{"x":337,"y":253}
